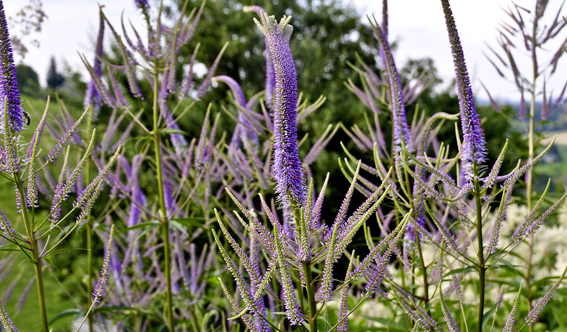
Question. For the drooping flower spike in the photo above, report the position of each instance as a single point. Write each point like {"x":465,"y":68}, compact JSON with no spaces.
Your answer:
{"x":9,"y":93}
{"x":474,"y":144}
{"x":243,"y":128}
{"x":290,"y":182}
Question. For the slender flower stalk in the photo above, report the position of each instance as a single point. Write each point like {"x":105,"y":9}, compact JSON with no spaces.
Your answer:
{"x":11,"y":124}
{"x":473,"y":152}
{"x":536,"y":311}
{"x":474,"y":144}
{"x":163,"y":207}
{"x":92,"y":96}
{"x":512,"y":317}
{"x":401,"y":132}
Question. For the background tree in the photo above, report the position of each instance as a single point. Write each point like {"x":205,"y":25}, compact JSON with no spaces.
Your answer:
{"x":54,"y":78}
{"x":28,"y":81}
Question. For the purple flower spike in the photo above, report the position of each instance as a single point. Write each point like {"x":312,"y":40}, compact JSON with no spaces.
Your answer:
{"x":286,"y":169}
{"x":5,"y":226}
{"x":92,"y":96}
{"x":270,"y":73}
{"x":474,"y":144}
{"x":142,"y":4}
{"x":9,"y":93}
{"x":100,"y":285}
{"x":536,"y":311}
{"x":234,"y":87}
{"x":4,"y":318}
{"x":402,"y":134}
{"x":244,"y":126}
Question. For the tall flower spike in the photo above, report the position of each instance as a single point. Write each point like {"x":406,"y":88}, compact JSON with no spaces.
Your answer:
{"x":99,"y":287}
{"x":9,"y":93}
{"x":270,"y":73}
{"x":536,"y":311}
{"x":474,"y":144}
{"x":92,"y":96}
{"x":286,"y":170}
{"x":512,"y":317}
{"x":401,"y":130}
{"x":291,"y":304}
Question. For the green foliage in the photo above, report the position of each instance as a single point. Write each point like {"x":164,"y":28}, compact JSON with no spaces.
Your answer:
{"x":28,"y":81}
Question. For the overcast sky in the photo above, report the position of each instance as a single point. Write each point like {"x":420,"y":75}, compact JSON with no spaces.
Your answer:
{"x":417,"y":25}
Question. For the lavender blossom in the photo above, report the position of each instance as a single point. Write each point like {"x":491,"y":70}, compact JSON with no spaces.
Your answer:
{"x":451,"y":323}
{"x":142,"y":4}
{"x":244,"y":127}
{"x":92,"y":96}
{"x":5,"y":225}
{"x":4,"y":318}
{"x":205,"y":85}
{"x":291,"y":304}
{"x":343,"y":305}
{"x":100,"y":285}
{"x":10,"y":102}
{"x":512,"y":317}
{"x":287,"y":166}
{"x":64,"y":140}
{"x":474,"y":144}
{"x":270,"y":72}
{"x":402,"y":134}
{"x":536,"y":311}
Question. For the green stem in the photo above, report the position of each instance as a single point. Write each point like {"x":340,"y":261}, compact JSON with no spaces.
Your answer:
{"x":310,"y":297}
{"x":35,"y":253}
{"x":89,"y":269}
{"x":422,"y":261}
{"x":529,"y":173}
{"x":163,"y":209}
{"x":481,"y":268}
{"x":89,"y":231}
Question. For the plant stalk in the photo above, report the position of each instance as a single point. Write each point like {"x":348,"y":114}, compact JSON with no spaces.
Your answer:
{"x":481,"y":268}
{"x":310,"y":297}
{"x":529,"y":173}
{"x":163,"y":209}
{"x":89,"y":269}
{"x":35,"y":253}
{"x":89,"y":230}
